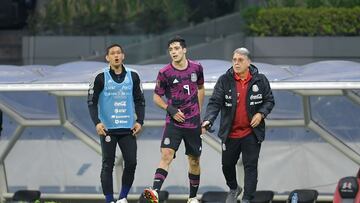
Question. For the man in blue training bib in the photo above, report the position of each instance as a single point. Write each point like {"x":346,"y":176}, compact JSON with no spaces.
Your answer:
{"x":113,"y":100}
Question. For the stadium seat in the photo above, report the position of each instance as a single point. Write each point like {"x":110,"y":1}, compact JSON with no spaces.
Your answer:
{"x":26,"y":195}
{"x":347,"y":190}
{"x":214,"y":197}
{"x":263,"y":196}
{"x":304,"y":195}
{"x":177,"y":189}
{"x":163,"y":197}
{"x":205,"y":188}
{"x":49,"y":189}
{"x":80,"y":189}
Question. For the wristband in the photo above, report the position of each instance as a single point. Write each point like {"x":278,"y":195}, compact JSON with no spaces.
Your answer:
{"x":171,"y":110}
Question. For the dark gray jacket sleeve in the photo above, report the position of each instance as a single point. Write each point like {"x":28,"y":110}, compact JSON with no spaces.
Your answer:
{"x":93,"y":97}
{"x":216,"y":101}
{"x":268,"y":98}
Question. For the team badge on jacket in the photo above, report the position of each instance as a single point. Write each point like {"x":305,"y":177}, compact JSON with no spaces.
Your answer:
{"x":107,"y":138}
{"x":255,"y":88}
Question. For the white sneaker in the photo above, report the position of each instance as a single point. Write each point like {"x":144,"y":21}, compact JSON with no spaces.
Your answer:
{"x":151,"y":195}
{"x":123,"y":200}
{"x":193,"y":200}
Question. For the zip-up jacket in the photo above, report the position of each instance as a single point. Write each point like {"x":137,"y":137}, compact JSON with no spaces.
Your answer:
{"x":224,"y":98}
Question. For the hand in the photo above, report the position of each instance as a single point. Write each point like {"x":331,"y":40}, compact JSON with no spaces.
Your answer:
{"x":256,"y":119}
{"x":176,"y":113}
{"x":179,"y":116}
{"x":100,"y":129}
{"x":136,"y":129}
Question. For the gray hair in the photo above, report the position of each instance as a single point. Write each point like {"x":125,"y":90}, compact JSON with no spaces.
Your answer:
{"x":242,"y":51}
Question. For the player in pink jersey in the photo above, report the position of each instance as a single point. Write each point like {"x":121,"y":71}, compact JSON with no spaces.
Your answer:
{"x":182,"y":83}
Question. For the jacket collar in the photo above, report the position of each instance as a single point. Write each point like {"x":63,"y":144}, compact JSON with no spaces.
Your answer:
{"x":122,"y":72}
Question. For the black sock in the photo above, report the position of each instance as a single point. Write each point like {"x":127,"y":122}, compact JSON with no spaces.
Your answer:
{"x":159,"y":178}
{"x":194,"y":184}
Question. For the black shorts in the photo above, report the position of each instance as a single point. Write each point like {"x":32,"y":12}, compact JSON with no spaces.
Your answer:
{"x":173,"y":135}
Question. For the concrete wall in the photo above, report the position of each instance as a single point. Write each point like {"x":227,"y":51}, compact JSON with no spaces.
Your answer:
{"x":10,"y":47}
{"x":202,"y":33}
{"x":54,"y":50}
{"x":274,"y":50}
{"x":215,"y":49}
{"x":303,"y":50}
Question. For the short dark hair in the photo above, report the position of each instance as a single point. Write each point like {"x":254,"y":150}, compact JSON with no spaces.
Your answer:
{"x":114,"y":45}
{"x":177,"y":39}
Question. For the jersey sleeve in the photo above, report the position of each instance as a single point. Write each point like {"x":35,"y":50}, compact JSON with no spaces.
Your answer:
{"x":200,"y":74}
{"x":160,"y":84}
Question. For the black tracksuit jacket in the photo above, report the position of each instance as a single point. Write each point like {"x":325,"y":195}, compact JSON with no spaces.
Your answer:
{"x":224,"y":98}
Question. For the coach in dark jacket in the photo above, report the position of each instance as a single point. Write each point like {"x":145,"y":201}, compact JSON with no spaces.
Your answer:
{"x":244,"y":97}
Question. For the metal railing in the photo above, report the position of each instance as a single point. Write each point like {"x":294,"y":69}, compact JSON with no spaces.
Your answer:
{"x":304,"y":89}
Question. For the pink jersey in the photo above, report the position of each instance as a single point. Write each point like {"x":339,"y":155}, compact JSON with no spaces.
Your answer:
{"x":181,"y":90}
